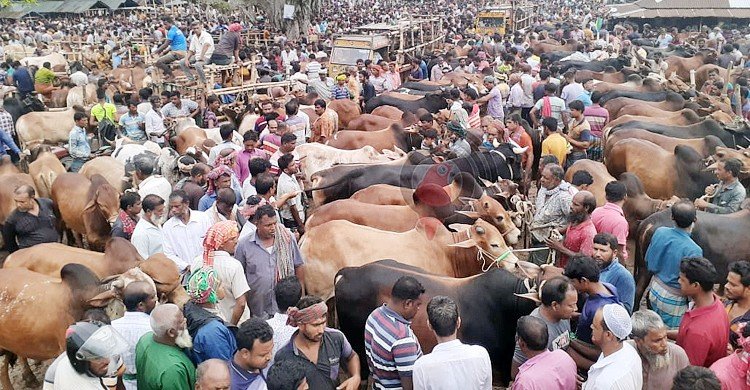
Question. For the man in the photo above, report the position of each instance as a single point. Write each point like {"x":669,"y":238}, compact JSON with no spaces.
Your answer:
{"x":704,"y":329}
{"x":288,"y":56}
{"x":225,"y":208}
{"x":661,"y":359}
{"x":195,"y":185}
{"x":254,"y":352}
{"x":297,"y":122}
{"x":287,"y":292}
{"x":173,"y":48}
{"x":78,"y":143}
{"x":573,"y":89}
{"x":228,"y":47}
{"x":199,"y":53}
{"x":663,"y":257}
{"x":340,"y":91}
{"x":313,"y":67}
{"x":154,"y":120}
{"x":103,"y":117}
{"x":212,"y":374}
{"x":515,"y":132}
{"x":180,"y":108}
{"x":737,"y":293}
{"x":455,"y":141}
{"x":139,"y":299}
{"x":293,"y":212}
{"x":451,"y":364}
{"x":270,"y":255}
{"x":605,"y":251}
{"x":324,"y":348}
{"x":256,"y":167}
{"x":584,"y":274}
{"x":32,"y":222}
{"x":91,"y":360}
{"x":552,"y":208}
{"x":544,"y":369}
{"x":579,"y":133}
{"x":159,"y":359}
{"x":610,"y":218}
{"x":22,"y":80}
{"x":619,"y":365}
{"x":554,"y":143}
{"x":133,"y":124}
{"x":494,"y":99}
{"x":148,"y":237}
{"x":288,"y":143}
{"x":130,"y":209}
{"x":44,"y":80}
{"x":184,"y":231}
{"x":696,"y":378}
{"x":598,"y":117}
{"x":148,"y":182}
{"x":559,"y":302}
{"x":267,"y":114}
{"x":289,"y":374}
{"x":389,"y":339}
{"x":582,"y":180}
{"x":327,"y":123}
{"x":580,"y":232}
{"x":730,"y":193}
{"x":549,"y":106}
{"x":458,"y":114}
{"x":226,"y":132}
{"x":248,"y":152}
{"x":379,"y":81}
{"x":322,"y":84}
{"x":7,"y":126}
{"x":219,"y":178}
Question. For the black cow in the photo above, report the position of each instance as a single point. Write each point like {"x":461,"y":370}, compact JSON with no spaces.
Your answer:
{"x":731,"y":137}
{"x":723,"y":238}
{"x":418,"y":86}
{"x":644,"y":96}
{"x":679,"y":51}
{"x":17,"y":108}
{"x":341,"y":182}
{"x":486,"y":303}
{"x":596,"y":66}
{"x":431,"y":102}
{"x":554,"y":56}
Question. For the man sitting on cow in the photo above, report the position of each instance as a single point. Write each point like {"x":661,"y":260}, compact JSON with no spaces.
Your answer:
{"x":130,"y":209}
{"x":44,"y":80}
{"x":661,"y":360}
{"x":728,"y":196}
{"x":605,"y":251}
{"x":663,"y":257}
{"x":32,"y":222}
{"x":78,"y":142}
{"x":580,"y":232}
{"x":552,"y":209}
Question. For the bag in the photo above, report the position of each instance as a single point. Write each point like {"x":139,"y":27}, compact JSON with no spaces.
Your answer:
{"x":107,"y":131}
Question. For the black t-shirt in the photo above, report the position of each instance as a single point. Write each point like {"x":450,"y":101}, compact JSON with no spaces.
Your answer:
{"x":29,"y":229}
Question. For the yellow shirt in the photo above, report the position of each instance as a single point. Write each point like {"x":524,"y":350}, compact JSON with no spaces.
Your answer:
{"x":557,"y":146}
{"x":44,"y":76}
{"x":100,"y":111}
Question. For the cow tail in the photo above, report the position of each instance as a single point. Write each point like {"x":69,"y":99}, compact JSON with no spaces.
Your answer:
{"x":47,"y":180}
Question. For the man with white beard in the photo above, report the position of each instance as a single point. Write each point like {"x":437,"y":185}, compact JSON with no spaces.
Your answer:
{"x":159,"y":359}
{"x":148,"y":237}
{"x":661,"y":359}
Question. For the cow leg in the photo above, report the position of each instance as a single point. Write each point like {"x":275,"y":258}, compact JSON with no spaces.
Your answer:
{"x":28,"y":376}
{"x":4,"y":376}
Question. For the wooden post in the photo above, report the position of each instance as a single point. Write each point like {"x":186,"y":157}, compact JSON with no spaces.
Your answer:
{"x":692,"y":78}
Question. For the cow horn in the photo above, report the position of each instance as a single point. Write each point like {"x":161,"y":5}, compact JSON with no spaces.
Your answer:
{"x":399,"y":151}
{"x":486,"y":182}
{"x":459,"y":227}
{"x":534,"y":296}
{"x":518,"y":150}
{"x":470,"y":243}
{"x":465,"y":199}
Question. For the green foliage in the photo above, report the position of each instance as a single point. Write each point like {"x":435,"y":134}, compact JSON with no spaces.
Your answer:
{"x":5,"y":3}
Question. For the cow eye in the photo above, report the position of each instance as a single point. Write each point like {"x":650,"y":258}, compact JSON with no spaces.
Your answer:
{"x":480,"y":230}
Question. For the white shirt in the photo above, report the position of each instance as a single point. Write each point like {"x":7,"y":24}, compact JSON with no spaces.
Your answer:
{"x":144,"y":108}
{"x":147,"y":238}
{"x":214,"y":152}
{"x":156,"y":185}
{"x":233,"y":281}
{"x":182,"y":243}
{"x":571,"y":92}
{"x":197,"y":43}
{"x":131,"y":327}
{"x":248,"y":229}
{"x":453,"y":365}
{"x":288,"y":58}
{"x":286,"y":185}
{"x":313,"y":68}
{"x":621,"y":370}
{"x":154,"y":124}
{"x":79,"y":79}
{"x":67,"y":378}
{"x":282,"y":332}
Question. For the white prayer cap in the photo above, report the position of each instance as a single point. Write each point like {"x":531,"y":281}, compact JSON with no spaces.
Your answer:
{"x":617,"y":320}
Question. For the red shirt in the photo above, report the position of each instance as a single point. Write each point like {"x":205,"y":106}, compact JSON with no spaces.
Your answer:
{"x":579,"y":239}
{"x":704,"y":334}
{"x":611,"y":219}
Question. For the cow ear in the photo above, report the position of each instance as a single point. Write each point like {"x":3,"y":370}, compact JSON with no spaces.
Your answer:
{"x":102,"y":299}
{"x":470,"y":243}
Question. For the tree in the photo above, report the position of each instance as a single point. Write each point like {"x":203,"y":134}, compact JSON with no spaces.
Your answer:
{"x":303,"y":13}
{"x":6,"y":3}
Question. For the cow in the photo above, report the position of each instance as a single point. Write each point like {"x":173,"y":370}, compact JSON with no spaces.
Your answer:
{"x":609,"y":75}
{"x":166,"y":276}
{"x":685,"y":116}
{"x":596,"y":66}
{"x":370,"y":122}
{"x":315,"y":157}
{"x":723,"y":238}
{"x":636,"y":108}
{"x":489,"y":305}
{"x":10,"y":181}
{"x":119,"y":256}
{"x":342,"y":182}
{"x":57,"y":60}
{"x":81,"y":96}
{"x":729,"y":135}
{"x":50,"y":127}
{"x":130,"y":78}
{"x":663,"y":174}
{"x":430,"y":245}
{"x":109,"y":168}
{"x":682,"y":66}
{"x":614,"y":106}
{"x":43,"y":171}
{"x":705,"y":146}
{"x":346,"y":109}
{"x":393,"y":136}
{"x":87,"y":207}
{"x":195,"y":138}
{"x":16,"y":108}
{"x":663,"y":96}
{"x":433,"y":103}
{"x":37,"y":309}
{"x":388,"y":112}
{"x":634,"y":84}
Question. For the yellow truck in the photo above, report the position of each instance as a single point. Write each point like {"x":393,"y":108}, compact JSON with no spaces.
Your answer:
{"x":502,"y":19}
{"x":348,"y":49}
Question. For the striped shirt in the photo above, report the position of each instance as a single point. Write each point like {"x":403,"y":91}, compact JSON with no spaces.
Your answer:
{"x":597,"y":116}
{"x":391,"y":347}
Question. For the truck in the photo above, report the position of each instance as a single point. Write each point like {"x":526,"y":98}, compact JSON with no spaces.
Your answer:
{"x":503,"y":18}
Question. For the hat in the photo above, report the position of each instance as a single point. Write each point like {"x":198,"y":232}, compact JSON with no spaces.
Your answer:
{"x":617,"y":320}
{"x":341,"y":77}
{"x":456,"y":128}
{"x":489,"y":79}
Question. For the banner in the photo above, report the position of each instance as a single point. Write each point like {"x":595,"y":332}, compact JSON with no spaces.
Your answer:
{"x":288,"y":11}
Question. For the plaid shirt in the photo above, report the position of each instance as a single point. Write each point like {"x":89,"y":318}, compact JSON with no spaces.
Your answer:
{"x":6,"y":123}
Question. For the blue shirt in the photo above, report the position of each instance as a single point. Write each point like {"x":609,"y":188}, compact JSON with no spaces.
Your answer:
{"x":78,"y":143}
{"x":6,"y":142}
{"x":667,"y":249}
{"x":213,"y":341}
{"x":22,"y":79}
{"x":177,"y":41}
{"x":208,"y":200}
{"x":585,"y":98}
{"x":131,"y":126}
{"x":593,"y":303}
{"x":617,"y":275}
{"x":242,"y":379}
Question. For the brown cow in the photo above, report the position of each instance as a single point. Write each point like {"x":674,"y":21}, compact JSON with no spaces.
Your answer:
{"x":11,"y":181}
{"x":388,"y":112}
{"x":37,"y":309}
{"x":347,"y":110}
{"x":191,"y":137}
{"x":370,"y":122}
{"x":634,"y":83}
{"x":615,"y":105}
{"x":44,"y":170}
{"x":119,"y":256}
{"x":87,"y":207}
{"x":380,"y":139}
{"x":429,"y":245}
{"x":705,"y":146}
{"x":109,"y":168}
{"x":609,"y":77}
{"x":166,"y":276}
{"x":682,"y":66}
{"x":683,"y":117}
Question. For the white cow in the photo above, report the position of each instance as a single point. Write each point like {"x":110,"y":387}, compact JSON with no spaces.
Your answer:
{"x":57,"y":60}
{"x":315,"y":157}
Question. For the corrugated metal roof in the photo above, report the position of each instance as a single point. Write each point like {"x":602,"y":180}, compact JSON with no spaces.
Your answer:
{"x":651,"y":9}
{"x":19,"y":10}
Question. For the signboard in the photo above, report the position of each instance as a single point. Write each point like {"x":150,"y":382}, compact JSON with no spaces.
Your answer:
{"x":288,"y":11}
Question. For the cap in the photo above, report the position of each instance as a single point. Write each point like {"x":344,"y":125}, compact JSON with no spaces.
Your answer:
{"x":617,"y":320}
{"x":489,"y":79}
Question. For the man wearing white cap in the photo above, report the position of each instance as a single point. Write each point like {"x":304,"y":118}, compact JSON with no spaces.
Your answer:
{"x":619,"y":366}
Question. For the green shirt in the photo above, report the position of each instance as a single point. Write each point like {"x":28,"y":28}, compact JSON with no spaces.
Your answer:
{"x":161,"y":366}
{"x":44,"y":76}
{"x":107,"y":110}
